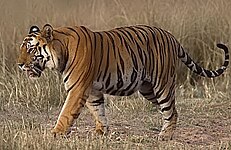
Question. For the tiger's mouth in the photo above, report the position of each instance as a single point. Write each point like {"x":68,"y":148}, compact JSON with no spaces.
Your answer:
{"x":34,"y":71}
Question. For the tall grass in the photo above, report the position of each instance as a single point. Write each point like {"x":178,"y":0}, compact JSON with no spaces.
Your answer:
{"x":198,"y":25}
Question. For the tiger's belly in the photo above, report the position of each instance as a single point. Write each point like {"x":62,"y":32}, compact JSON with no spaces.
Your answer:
{"x":124,"y":86}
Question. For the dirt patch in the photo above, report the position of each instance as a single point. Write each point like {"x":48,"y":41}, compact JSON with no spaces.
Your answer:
{"x":127,"y":128}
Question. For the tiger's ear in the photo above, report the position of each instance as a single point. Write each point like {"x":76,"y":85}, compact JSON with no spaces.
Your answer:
{"x":34,"y":29}
{"x":47,"y":32}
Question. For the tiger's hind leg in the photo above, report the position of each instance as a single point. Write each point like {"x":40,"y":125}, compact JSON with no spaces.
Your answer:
{"x":167,"y":107}
{"x":166,"y":102}
{"x":95,"y":103}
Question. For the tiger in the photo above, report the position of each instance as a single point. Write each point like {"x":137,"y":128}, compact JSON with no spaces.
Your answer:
{"x":119,"y":62}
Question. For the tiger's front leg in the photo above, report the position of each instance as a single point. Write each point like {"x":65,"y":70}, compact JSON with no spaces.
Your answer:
{"x":75,"y":101}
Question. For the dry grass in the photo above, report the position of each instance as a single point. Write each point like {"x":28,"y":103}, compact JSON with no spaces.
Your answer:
{"x":28,"y":109}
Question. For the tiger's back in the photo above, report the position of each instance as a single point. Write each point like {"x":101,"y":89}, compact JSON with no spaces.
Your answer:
{"x":129,"y":57}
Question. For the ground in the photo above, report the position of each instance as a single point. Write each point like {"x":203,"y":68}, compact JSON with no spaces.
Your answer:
{"x":134,"y":124}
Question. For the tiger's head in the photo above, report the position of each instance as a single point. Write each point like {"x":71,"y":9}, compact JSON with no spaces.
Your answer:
{"x":35,"y":52}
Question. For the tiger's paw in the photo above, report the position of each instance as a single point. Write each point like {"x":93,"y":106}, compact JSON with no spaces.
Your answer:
{"x":101,"y":129}
{"x":60,"y":132}
{"x":165,"y":136}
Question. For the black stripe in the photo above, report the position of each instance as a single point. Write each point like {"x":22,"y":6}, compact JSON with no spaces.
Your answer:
{"x":107,"y":61}
{"x":131,"y":91}
{"x":108,"y":81}
{"x":97,"y":102}
{"x":82,"y":74}
{"x":207,"y":72}
{"x":157,"y":62}
{"x":128,"y":87}
{"x":155,"y":67}
{"x":140,"y":52}
{"x":86,"y":75}
{"x":126,"y":43}
{"x":169,"y":118}
{"x":142,"y":29}
{"x":65,"y":58}
{"x":152,"y":63}
{"x":226,"y":63}
{"x":198,"y":69}
{"x":143,"y":74}
{"x":40,"y":49}
{"x":149,"y":55}
{"x":110,"y":89}
{"x":86,"y":33}
{"x":219,"y":71}
{"x":112,"y":42}
{"x":138,"y":47}
{"x":121,"y":63}
{"x":33,"y":35}
{"x":121,"y":31}
{"x":168,"y":107}
{"x":162,"y":51}
{"x":125,"y":33}
{"x":120,"y":58}
{"x":137,"y":34}
{"x":133,"y":76}
{"x":161,"y":61}
{"x":37,"y":44}
{"x":167,"y":51}
{"x":75,"y":54}
{"x":101,"y":54}
{"x":119,"y":78}
{"x":44,"y":47}
{"x":100,"y":72}
{"x":134,"y":60}
{"x":114,"y":92}
{"x":159,"y":93}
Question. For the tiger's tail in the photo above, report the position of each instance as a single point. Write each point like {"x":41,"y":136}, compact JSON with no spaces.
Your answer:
{"x":194,"y":67}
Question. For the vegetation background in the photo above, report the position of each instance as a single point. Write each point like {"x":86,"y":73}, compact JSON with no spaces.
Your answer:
{"x":28,"y":109}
